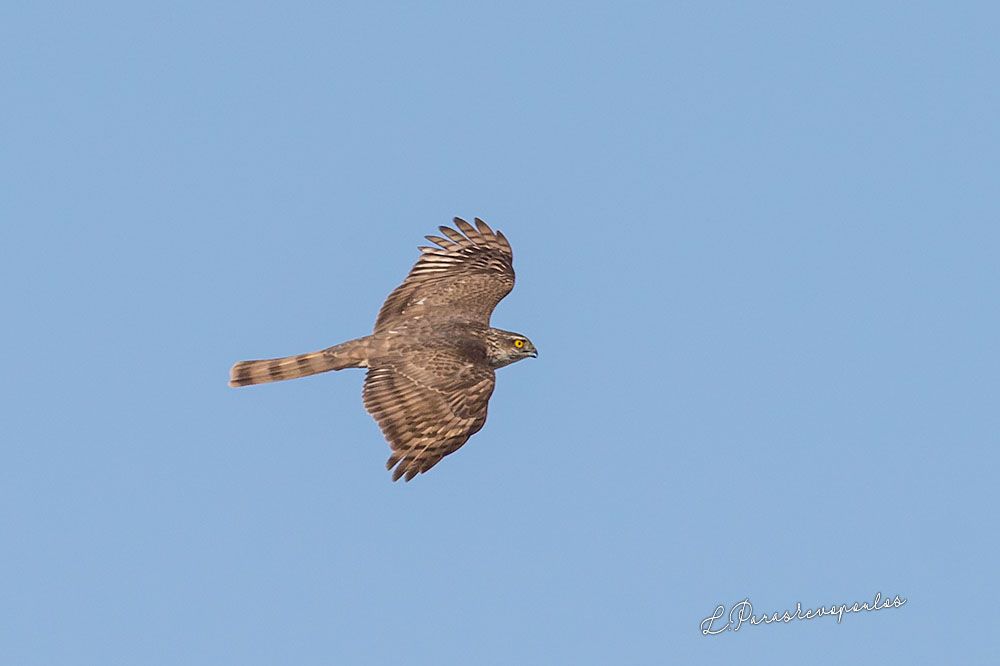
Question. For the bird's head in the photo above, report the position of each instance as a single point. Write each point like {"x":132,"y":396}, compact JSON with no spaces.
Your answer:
{"x":506,"y":347}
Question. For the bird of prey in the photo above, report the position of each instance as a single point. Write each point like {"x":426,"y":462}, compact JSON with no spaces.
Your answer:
{"x":432,"y":356}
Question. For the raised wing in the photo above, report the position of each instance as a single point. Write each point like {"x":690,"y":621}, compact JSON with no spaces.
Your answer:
{"x":427,"y":404}
{"x":462,"y":279}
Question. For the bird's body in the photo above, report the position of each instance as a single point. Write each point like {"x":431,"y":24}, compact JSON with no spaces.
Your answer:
{"x":432,"y":355}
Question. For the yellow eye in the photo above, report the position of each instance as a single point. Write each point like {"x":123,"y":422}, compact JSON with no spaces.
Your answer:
{"x":518,"y":343}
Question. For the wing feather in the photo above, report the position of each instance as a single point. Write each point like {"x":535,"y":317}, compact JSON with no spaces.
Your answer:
{"x":453,"y":235}
{"x":443,"y":242}
{"x":462,"y":279}
{"x":427,"y":415}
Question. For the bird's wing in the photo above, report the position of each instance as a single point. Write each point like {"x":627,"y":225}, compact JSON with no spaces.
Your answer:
{"x":462,"y":279}
{"x":427,"y":403}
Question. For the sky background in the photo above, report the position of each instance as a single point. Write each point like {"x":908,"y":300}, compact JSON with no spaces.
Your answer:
{"x":756,"y":246}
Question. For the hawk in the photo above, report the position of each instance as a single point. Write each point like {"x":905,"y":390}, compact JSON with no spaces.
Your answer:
{"x":432,"y":356}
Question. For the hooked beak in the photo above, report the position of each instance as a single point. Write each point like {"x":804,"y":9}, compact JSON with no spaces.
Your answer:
{"x":534,"y":353}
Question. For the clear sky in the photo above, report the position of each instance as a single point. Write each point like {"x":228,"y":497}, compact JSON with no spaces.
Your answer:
{"x":756,"y":247}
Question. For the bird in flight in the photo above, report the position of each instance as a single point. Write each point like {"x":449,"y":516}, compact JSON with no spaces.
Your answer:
{"x":432,"y":356}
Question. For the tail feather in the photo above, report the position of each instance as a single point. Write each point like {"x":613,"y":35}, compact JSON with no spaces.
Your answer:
{"x":352,"y":354}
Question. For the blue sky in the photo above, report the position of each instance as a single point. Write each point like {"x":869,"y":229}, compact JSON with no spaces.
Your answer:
{"x":756,"y":247}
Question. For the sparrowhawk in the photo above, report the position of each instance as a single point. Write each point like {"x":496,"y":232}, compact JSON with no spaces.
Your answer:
{"x":432,"y":356}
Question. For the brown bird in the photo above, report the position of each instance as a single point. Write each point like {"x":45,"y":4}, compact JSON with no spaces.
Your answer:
{"x":432,"y":356}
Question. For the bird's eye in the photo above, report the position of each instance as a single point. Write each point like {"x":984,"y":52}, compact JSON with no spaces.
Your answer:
{"x":518,"y":343}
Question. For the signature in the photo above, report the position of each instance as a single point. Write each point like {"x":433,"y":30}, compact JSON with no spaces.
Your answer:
{"x":742,"y":613}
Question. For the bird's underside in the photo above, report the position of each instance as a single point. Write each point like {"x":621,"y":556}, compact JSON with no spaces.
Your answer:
{"x":432,"y":355}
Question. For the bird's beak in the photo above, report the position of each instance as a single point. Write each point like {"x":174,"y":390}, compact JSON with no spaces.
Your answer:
{"x":534,"y":353}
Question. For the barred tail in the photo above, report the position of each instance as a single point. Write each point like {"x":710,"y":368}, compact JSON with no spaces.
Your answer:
{"x":352,"y":354}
